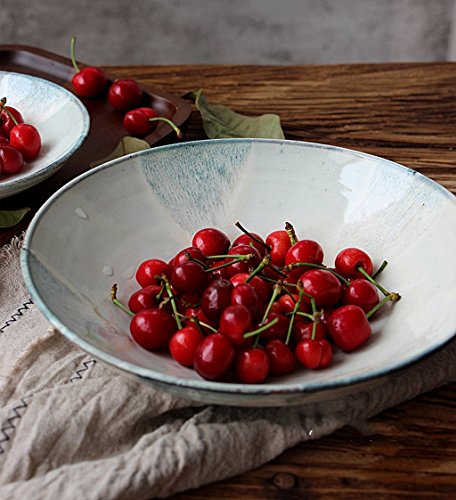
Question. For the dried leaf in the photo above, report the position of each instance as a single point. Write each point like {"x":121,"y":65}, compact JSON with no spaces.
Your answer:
{"x":221,"y":121}
{"x":126,"y":146}
{"x":9,"y":218}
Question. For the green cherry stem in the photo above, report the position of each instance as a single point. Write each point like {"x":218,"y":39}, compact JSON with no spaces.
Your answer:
{"x":172,"y":299}
{"x":265,"y":262}
{"x":291,"y":233}
{"x":314,"y":312}
{"x":160,"y":293}
{"x":295,"y":310}
{"x":317,"y":266}
{"x":393,"y":296}
{"x":72,"y":54}
{"x":117,"y":302}
{"x":277,"y":289}
{"x":170,"y":123}
{"x":260,"y":329}
{"x":380,"y":269}
{"x":240,"y":258}
{"x":254,"y":238}
{"x":385,"y":299}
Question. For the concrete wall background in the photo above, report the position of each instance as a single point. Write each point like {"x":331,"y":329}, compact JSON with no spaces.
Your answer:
{"x":235,"y":31}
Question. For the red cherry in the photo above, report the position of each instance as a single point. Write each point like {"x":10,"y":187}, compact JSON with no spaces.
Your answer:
{"x":234,"y":322}
{"x":245,"y":239}
{"x":6,"y":122}
{"x":288,"y":303}
{"x":252,"y":366}
{"x":246,"y":266}
{"x":124,"y":94}
{"x":211,"y":241}
{"x":361,"y":293}
{"x":183,"y":344}
{"x":216,"y":297}
{"x":11,"y":160}
{"x":136,"y":121}
{"x":152,"y":328}
{"x":279,"y":241}
{"x":349,"y":328}
{"x":323,"y":286}
{"x":147,"y":270}
{"x":89,"y":81}
{"x":214,"y":357}
{"x":261,"y":287}
{"x":348,"y":261}
{"x":3,"y":140}
{"x":246,"y":295}
{"x":309,"y":353}
{"x":26,"y":139}
{"x":189,"y":277}
{"x":308,"y":251}
{"x":146,"y":298}
{"x":281,"y":358}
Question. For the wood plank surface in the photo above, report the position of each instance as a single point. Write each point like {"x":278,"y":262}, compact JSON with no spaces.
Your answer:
{"x":403,"y":112}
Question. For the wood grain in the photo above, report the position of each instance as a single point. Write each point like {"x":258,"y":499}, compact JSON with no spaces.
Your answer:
{"x":404,"y":112}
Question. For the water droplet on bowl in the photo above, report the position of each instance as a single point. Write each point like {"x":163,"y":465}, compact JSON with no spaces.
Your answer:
{"x":80,"y":213}
{"x":108,"y":271}
{"x":128,"y":273}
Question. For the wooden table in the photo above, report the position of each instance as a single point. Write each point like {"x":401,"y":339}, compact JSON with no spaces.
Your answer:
{"x":403,"y":112}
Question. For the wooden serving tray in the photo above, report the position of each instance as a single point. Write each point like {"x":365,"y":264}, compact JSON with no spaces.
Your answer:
{"x":105,"y":124}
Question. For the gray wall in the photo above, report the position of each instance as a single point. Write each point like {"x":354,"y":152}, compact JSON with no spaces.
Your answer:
{"x":235,"y":31}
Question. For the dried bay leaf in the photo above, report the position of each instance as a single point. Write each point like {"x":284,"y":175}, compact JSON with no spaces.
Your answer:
{"x":221,"y":121}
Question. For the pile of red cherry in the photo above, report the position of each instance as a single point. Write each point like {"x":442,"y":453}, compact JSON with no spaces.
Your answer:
{"x":19,"y":142}
{"x":123,"y":95}
{"x":254,"y":308}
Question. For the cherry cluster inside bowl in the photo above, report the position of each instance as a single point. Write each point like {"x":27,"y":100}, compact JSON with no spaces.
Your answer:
{"x":123,"y":95}
{"x":253,"y":308}
{"x":19,"y":142}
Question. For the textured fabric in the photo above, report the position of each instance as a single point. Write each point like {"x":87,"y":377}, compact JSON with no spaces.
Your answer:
{"x":72,"y":427}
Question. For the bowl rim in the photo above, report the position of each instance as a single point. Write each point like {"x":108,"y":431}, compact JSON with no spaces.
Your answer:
{"x":10,"y":187}
{"x":266,"y":389}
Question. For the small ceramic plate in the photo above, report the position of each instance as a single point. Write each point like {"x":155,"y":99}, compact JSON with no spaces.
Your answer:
{"x":97,"y":229}
{"x":60,"y":117}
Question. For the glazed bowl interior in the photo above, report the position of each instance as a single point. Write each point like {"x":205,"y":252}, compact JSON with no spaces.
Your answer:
{"x":97,"y":229}
{"x":60,"y":118}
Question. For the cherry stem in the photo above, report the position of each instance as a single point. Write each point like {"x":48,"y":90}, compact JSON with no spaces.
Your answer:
{"x":380,"y":269}
{"x":314,"y":324}
{"x":72,"y":52}
{"x":260,"y":267}
{"x":193,"y":259}
{"x":277,"y":270}
{"x":254,"y":238}
{"x":386,"y":299}
{"x":117,"y":302}
{"x":295,"y":310}
{"x":275,"y":292}
{"x":8,"y":112}
{"x":291,"y":233}
{"x":160,"y":293}
{"x":393,"y":296}
{"x":260,"y":329}
{"x":238,"y":258}
{"x":172,"y":299}
{"x":170,"y":123}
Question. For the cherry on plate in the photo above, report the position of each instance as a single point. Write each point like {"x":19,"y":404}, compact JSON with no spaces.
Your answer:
{"x":349,"y":328}
{"x":211,"y":241}
{"x":349,"y":259}
{"x":215,"y":298}
{"x":362,"y":293}
{"x":124,"y":94}
{"x":252,"y":366}
{"x":280,"y":243}
{"x":149,"y":269}
{"x":189,"y":277}
{"x":282,"y":361}
{"x":26,"y":139}
{"x":183,"y":344}
{"x":152,"y":328}
{"x":145,"y":298}
{"x":323,"y":286}
{"x":11,"y":160}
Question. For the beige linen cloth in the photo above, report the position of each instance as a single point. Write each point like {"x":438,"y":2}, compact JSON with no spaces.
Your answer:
{"x":72,"y":427}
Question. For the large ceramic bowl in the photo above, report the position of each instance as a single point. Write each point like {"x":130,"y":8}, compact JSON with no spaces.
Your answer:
{"x":60,"y":117}
{"x":97,"y":228}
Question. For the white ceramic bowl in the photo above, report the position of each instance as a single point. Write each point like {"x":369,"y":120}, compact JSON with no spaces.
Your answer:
{"x":60,"y":117}
{"x":99,"y":227}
